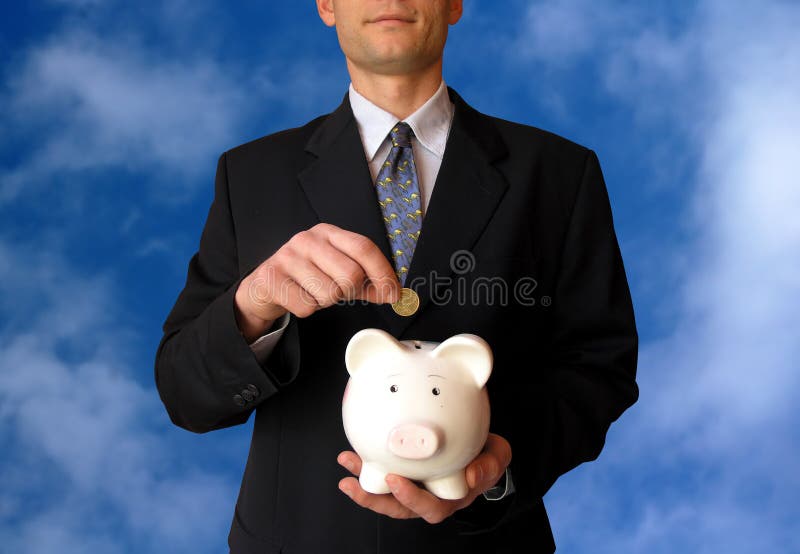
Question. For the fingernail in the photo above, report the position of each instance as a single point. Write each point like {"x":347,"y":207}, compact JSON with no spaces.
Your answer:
{"x":393,"y":484}
{"x":347,"y":490}
{"x":479,"y":478}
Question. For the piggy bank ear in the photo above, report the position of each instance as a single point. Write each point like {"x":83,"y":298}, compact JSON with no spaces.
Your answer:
{"x":470,"y":352}
{"x":365,"y":345}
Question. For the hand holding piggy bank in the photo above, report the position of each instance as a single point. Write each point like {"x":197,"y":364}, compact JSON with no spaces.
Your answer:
{"x":416,"y":409}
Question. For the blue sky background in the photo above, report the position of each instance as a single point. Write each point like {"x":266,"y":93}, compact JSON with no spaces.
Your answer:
{"x":113,"y":116}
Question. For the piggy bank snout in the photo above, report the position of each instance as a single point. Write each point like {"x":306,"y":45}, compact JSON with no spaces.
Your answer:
{"x":414,"y":441}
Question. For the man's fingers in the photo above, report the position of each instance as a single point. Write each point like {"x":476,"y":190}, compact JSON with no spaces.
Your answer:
{"x":344,"y":276}
{"x":500,"y":448}
{"x":382,"y":285}
{"x":273,"y":288}
{"x":385,"y":504}
{"x":332,"y":264}
{"x":317,"y":289}
{"x":381,"y":291}
{"x":350,"y":461}
{"x":406,"y":500}
{"x":316,"y":268}
{"x":487,"y":468}
{"x":419,"y":501}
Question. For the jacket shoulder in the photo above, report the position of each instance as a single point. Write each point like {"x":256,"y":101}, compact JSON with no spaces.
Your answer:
{"x":519,"y":135}
{"x":559,"y":164}
{"x":284,"y":144}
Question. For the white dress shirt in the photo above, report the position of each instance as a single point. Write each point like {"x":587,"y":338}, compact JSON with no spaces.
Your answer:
{"x":431,"y":125}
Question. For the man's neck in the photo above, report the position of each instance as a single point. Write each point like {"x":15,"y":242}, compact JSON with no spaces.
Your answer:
{"x":400,"y":95}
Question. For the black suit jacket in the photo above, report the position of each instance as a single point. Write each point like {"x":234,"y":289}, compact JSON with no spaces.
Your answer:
{"x":517,"y":246}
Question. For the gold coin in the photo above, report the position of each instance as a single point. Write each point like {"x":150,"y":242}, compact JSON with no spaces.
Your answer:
{"x":407,"y":304}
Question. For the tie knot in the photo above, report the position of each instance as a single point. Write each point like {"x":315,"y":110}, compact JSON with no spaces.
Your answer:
{"x":401,"y":135}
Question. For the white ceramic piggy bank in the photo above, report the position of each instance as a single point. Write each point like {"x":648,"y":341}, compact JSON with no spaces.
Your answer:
{"x":416,"y":409}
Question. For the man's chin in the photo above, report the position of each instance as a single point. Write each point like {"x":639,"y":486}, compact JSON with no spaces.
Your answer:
{"x":394,"y":69}
{"x":395,"y":64}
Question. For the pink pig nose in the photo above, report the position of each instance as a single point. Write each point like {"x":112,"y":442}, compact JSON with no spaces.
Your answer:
{"x":413,"y":441}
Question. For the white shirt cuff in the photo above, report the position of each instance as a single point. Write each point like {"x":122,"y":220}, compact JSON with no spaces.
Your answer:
{"x":263,"y":346}
{"x":501,"y":491}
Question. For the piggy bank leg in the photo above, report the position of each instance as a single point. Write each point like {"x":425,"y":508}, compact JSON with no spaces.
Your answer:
{"x":373,"y":479}
{"x":449,"y":487}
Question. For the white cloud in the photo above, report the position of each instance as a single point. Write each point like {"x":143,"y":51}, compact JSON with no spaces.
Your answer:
{"x":89,"y":100}
{"x":640,"y":58}
{"x":706,"y":461}
{"x":80,"y":434}
{"x":99,"y":104}
{"x":741,"y":300}
{"x":558,"y":31}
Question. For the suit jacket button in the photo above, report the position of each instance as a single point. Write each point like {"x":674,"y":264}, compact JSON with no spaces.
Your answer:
{"x":247,"y":395}
{"x":253,"y":389}
{"x":239,"y":400}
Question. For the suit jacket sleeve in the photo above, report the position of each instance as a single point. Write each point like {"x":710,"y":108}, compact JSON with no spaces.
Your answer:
{"x":203,"y":363}
{"x":589,"y":376}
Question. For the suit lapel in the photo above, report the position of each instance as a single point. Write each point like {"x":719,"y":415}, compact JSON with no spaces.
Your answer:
{"x":338,"y":183}
{"x":466,"y":194}
{"x":467,"y":190}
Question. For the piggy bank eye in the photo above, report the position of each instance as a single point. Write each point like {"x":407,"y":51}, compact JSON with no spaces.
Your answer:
{"x":393,"y":388}
{"x":436,"y":391}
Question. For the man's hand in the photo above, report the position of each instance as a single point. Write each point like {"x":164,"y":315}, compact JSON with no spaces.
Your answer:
{"x":407,"y":500}
{"x":315,"y":269}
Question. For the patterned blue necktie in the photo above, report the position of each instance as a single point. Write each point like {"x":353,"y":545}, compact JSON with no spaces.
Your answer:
{"x":398,"y":195}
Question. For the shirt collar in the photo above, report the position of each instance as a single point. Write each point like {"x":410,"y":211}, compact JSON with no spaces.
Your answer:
{"x":430,"y":123}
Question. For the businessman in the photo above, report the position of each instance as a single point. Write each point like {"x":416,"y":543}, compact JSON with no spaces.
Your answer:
{"x":407,"y":210}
